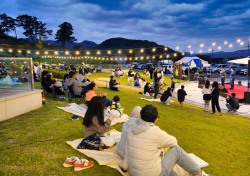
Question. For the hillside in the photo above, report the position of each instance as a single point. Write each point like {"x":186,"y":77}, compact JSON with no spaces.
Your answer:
{"x":122,"y":43}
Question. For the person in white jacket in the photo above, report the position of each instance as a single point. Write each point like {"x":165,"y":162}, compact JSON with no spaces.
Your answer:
{"x":145,"y":145}
{"x":206,"y":91}
{"x":134,"y":115}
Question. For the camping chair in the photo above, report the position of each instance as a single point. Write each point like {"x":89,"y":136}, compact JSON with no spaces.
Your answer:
{"x":47,"y":93}
{"x":72,"y":96}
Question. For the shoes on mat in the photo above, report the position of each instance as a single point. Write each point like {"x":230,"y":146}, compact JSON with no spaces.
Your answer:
{"x":82,"y":164}
{"x":79,"y":164}
{"x":70,"y":162}
{"x":74,"y":117}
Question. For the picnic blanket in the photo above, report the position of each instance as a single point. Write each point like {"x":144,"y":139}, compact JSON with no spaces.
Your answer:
{"x":151,"y":99}
{"x":80,"y":110}
{"x":110,"y":158}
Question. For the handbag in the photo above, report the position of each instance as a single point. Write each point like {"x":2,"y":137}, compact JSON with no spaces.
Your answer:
{"x":92,"y":142}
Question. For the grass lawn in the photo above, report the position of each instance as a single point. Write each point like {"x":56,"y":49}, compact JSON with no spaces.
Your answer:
{"x":35,"y":143}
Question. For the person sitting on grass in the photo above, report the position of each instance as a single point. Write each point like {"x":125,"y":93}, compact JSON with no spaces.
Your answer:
{"x":116,"y":108}
{"x":166,"y":96}
{"x":93,"y":120}
{"x":113,"y":85}
{"x":134,"y":115}
{"x":232,"y":103}
{"x":145,"y":145}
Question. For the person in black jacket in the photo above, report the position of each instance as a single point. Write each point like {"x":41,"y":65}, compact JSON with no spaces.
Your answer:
{"x":113,"y":85}
{"x":215,"y":97}
{"x":166,"y":96}
{"x":232,"y":103}
{"x":181,"y":93}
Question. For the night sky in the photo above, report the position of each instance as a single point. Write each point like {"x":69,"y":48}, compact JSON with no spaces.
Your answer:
{"x":167,"y":22}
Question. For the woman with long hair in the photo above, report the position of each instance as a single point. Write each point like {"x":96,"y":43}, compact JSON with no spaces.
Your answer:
{"x":206,"y":91}
{"x":94,"y":118}
{"x":215,"y":97}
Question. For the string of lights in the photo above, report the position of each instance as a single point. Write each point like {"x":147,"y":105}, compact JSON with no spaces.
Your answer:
{"x":133,"y":53}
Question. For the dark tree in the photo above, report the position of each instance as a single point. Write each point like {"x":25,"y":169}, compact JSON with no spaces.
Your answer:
{"x":64,"y":34}
{"x":33,"y":29}
{"x":8,"y":24}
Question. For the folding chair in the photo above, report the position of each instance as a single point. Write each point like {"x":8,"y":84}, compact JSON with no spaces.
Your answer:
{"x":73,"y":97}
{"x":51,"y":94}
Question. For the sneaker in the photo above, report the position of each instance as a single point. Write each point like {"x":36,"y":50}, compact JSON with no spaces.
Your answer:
{"x":69,"y":162}
{"x":82,"y":164}
{"x":74,"y":117}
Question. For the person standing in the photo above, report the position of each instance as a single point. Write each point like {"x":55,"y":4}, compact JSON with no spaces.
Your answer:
{"x":232,"y":78}
{"x":172,"y":85}
{"x":157,"y":77}
{"x":223,"y":76}
{"x":181,"y":93}
{"x":206,"y":91}
{"x":215,"y":97}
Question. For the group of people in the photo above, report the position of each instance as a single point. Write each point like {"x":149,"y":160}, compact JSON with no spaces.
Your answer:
{"x":142,"y":152}
{"x":211,"y":93}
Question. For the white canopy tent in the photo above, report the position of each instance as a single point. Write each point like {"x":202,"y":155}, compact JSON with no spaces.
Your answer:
{"x":193,"y":62}
{"x":240,"y":61}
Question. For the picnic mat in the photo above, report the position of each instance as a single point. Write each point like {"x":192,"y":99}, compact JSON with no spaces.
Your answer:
{"x":80,"y":110}
{"x":151,"y":99}
{"x":110,"y":158}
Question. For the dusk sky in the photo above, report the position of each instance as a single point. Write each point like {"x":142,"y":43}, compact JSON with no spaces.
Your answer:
{"x":167,"y":22}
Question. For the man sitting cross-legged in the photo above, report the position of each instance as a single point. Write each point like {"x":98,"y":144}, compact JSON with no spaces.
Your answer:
{"x":145,"y":145}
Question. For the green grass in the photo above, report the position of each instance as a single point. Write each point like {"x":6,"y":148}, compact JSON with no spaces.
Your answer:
{"x":35,"y":143}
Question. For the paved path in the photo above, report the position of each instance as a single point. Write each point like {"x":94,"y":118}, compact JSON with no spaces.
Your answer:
{"x":195,"y":97}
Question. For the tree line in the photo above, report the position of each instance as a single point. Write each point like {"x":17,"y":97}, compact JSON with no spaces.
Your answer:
{"x":34,"y":29}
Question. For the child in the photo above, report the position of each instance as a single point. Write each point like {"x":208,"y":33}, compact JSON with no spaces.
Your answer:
{"x":172,"y":84}
{"x":181,"y":93}
{"x":116,"y":107}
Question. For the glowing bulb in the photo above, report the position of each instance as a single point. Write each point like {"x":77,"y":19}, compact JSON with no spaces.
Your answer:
{"x":201,"y":45}
{"x":37,"y":53}
{"x":175,"y":54}
{"x":67,"y":52}
{"x":241,"y":43}
{"x":213,"y":44}
{"x":98,"y":52}
{"x":130,"y":51}
{"x":177,"y":47}
{"x":77,"y":52}
{"x":10,"y":50}
{"x":46,"y":52}
{"x":142,"y":50}
{"x":225,"y":42}
{"x":219,"y":47}
{"x":19,"y":51}
{"x":109,"y":52}
{"x":153,"y":49}
{"x":119,"y":52}
{"x":88,"y":53}
{"x":56,"y":52}
{"x":231,"y":45}
{"x":239,"y":40}
{"x":200,"y":51}
{"x":165,"y":48}
{"x":189,"y":46}
{"x":210,"y":49}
